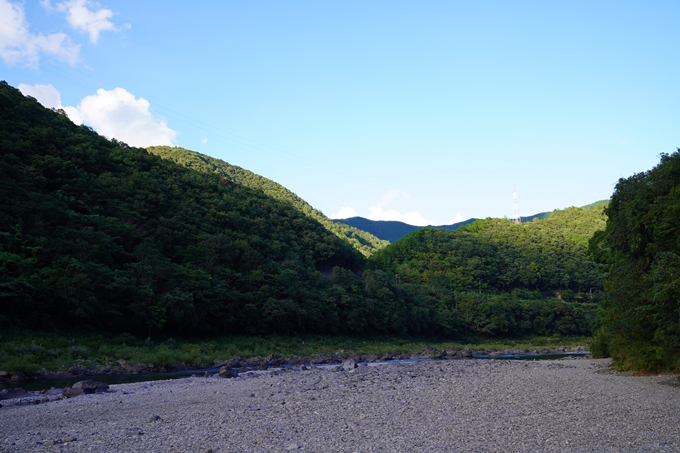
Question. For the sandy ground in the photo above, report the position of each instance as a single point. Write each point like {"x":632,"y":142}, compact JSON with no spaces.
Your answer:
{"x":439,"y":406}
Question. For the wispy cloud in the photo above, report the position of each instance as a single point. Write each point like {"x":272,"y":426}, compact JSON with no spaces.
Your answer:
{"x":85,"y":16}
{"x":389,"y":197}
{"x":19,"y":46}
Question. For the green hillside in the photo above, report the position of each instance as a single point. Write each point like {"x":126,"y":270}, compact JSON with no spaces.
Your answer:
{"x":96,"y":235}
{"x":363,"y":241}
{"x":392,"y":230}
{"x":495,"y":276}
{"x":496,"y":254}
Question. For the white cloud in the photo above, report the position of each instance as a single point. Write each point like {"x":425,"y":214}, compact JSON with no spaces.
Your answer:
{"x":119,"y":114}
{"x":204,"y":141}
{"x":113,"y":113}
{"x":19,"y":46}
{"x":456,"y":219}
{"x":344,"y":213}
{"x":47,"y":95}
{"x":82,"y":18}
{"x":412,"y":218}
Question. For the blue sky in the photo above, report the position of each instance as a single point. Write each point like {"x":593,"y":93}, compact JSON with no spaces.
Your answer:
{"x":423,"y":112}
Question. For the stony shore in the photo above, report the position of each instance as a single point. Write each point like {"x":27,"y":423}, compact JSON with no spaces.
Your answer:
{"x":436,"y":406}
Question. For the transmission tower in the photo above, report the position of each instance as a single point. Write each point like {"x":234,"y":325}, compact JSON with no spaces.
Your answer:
{"x":517,"y":219}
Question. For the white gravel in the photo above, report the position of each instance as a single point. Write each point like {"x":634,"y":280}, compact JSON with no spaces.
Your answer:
{"x":442,"y":406}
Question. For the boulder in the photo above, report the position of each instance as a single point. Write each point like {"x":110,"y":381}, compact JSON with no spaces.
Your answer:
{"x":227,"y":372}
{"x":89,"y":386}
{"x":348,"y":365}
{"x":52,"y":392}
{"x":69,"y":392}
{"x":8,"y":394}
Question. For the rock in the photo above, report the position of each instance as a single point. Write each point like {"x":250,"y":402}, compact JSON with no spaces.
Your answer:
{"x":52,"y":392}
{"x":4,"y":374}
{"x":273,"y":360}
{"x":235,"y":362}
{"x":90,"y":386}
{"x":348,"y":365}
{"x":155,"y":418}
{"x":494,"y":355}
{"x":8,"y":394}
{"x":69,"y":392}
{"x":227,"y":372}
{"x":465,"y":352}
{"x":77,"y":371}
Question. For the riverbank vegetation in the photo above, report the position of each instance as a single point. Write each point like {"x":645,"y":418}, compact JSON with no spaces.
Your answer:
{"x":641,"y":247}
{"x":33,"y":352}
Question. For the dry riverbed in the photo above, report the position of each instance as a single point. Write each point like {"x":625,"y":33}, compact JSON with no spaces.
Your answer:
{"x":438,"y":406}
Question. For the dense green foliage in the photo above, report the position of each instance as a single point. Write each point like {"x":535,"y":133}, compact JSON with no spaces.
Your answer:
{"x":497,"y":277}
{"x":392,"y":230}
{"x":98,"y":236}
{"x":30,"y":351}
{"x":547,"y":257}
{"x":361,"y":240}
{"x":641,"y":245}
{"x":95,"y":234}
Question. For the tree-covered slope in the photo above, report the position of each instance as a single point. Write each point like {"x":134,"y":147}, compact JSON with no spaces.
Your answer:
{"x":363,"y":241}
{"x":95,"y":234}
{"x":546,"y":256}
{"x":392,"y":230}
{"x":641,"y":246}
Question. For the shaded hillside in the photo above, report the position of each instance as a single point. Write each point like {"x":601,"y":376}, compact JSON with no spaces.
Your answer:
{"x":99,"y":236}
{"x":96,"y":235}
{"x":363,"y":241}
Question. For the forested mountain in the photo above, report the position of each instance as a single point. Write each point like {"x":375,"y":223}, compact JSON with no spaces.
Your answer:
{"x":641,"y":247}
{"x":96,"y":235}
{"x":363,"y":241}
{"x":393,"y":230}
{"x":511,"y":268}
{"x":546,"y":256}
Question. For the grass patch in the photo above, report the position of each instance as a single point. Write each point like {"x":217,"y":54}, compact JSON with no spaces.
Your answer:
{"x":31,"y":352}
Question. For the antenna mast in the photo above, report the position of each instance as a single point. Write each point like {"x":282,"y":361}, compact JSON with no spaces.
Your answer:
{"x":517,"y":219}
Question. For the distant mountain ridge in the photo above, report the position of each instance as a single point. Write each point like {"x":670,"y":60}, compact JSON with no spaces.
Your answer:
{"x":393,"y":230}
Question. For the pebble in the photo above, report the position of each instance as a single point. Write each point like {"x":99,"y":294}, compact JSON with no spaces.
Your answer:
{"x":436,"y":406}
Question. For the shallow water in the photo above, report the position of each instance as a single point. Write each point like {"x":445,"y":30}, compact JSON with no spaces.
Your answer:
{"x":44,"y":384}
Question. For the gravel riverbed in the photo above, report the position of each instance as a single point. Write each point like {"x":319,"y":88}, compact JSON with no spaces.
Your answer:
{"x":437,"y":406}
